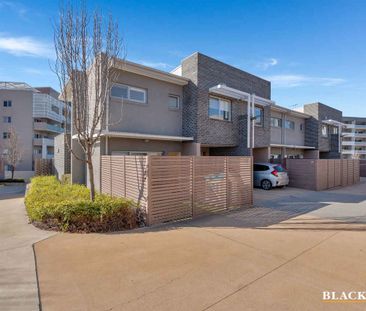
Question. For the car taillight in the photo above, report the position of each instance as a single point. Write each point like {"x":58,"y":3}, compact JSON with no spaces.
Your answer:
{"x":275,"y":173}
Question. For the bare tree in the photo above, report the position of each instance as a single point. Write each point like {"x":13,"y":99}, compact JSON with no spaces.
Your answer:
{"x":12,"y":151}
{"x":86,"y":54}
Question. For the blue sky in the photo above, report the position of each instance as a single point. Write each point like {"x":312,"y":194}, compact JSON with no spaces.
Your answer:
{"x":310,"y":50}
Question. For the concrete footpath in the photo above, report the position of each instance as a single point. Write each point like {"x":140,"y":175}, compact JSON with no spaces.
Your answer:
{"x":18,"y":282}
{"x":280,"y":255}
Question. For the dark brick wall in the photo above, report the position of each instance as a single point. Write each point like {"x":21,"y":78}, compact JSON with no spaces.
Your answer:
{"x":204,"y":73}
{"x":313,"y":126}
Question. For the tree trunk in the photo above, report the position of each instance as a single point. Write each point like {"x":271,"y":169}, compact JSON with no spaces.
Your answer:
{"x":12,"y":172}
{"x":91,"y":175}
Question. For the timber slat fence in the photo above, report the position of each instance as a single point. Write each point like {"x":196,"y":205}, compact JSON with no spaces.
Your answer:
{"x":363,"y":168}
{"x":174,"y":188}
{"x":322,"y":174}
{"x":43,"y":167}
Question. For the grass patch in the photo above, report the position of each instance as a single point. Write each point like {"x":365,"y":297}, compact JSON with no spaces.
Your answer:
{"x":67,"y":207}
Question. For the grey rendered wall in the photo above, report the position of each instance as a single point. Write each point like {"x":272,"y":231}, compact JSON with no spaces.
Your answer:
{"x":206,"y":72}
{"x":121,"y":144}
{"x":62,"y":156}
{"x":154,"y":117}
{"x":78,"y":172}
{"x":21,"y":114}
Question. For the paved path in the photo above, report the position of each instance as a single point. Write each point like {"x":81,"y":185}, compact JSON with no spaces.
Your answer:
{"x":18,"y":283}
{"x":280,"y":255}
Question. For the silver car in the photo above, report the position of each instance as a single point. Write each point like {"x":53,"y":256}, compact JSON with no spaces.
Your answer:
{"x":269,"y":175}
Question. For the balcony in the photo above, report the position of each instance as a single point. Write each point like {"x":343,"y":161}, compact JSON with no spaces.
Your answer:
{"x":44,"y":126}
{"x":45,"y":106}
{"x":43,"y":142}
{"x":357,"y":126}
{"x":356,"y":135}
{"x":354,"y":143}
{"x":353,"y":152}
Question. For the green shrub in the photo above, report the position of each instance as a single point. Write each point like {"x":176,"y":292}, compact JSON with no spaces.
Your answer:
{"x":67,"y":207}
{"x":66,"y":179}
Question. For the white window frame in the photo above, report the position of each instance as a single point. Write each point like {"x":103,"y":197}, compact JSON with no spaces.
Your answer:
{"x":260,"y":121}
{"x":178,"y":101}
{"x":290,"y":122}
{"x":6,"y":103}
{"x":279,"y":126}
{"x":6,"y":119}
{"x":129,"y":88}
{"x":220,"y":100}
{"x":326,"y":129}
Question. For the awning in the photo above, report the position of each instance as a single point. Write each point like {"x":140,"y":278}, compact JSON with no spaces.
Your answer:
{"x":334,"y":123}
{"x":145,"y":136}
{"x":223,"y":90}
{"x":292,"y":146}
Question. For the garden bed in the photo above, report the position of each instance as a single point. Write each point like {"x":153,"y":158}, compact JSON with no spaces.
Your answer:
{"x":53,"y":205}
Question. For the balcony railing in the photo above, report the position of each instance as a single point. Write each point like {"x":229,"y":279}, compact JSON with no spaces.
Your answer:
{"x":356,"y":126}
{"x":44,"y":126}
{"x":42,"y":107}
{"x":354,"y":143}
{"x":354,"y":152}
{"x":43,"y":142}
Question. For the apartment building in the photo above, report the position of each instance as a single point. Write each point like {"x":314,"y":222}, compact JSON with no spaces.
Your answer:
{"x":208,"y":108}
{"x":36,"y":115}
{"x":354,"y":138}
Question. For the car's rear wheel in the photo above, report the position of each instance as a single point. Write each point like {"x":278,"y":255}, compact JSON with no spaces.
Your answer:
{"x":266,"y":184}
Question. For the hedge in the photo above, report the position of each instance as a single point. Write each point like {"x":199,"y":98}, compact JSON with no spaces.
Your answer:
{"x":67,"y":207}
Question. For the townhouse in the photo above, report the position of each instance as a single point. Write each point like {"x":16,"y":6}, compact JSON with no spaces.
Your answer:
{"x":36,"y":115}
{"x":205,"y":107}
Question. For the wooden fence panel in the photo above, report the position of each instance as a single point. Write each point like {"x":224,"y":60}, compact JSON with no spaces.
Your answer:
{"x":43,"y":167}
{"x":106,"y":178}
{"x":118,"y":186}
{"x":209,"y":185}
{"x":331,"y":173}
{"x":239,"y":182}
{"x":337,"y":173}
{"x":362,"y":164}
{"x":344,"y":170}
{"x":136,"y":179}
{"x":170,"y":188}
{"x":356,"y":171}
{"x":350,"y":172}
{"x":302,"y":173}
{"x":322,"y":174}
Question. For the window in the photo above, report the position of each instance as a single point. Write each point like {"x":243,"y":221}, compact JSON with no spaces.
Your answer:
{"x":55,"y":109}
{"x":6,"y":135}
{"x":258,"y":116}
{"x":173,"y":102}
{"x":324,"y":131}
{"x":219,"y":109}
{"x":7,"y":103}
{"x":276,"y":122}
{"x":335,"y":130}
{"x":290,"y":124}
{"x":301,"y":127}
{"x":260,"y":168}
{"x":128,"y":92}
{"x":7,"y":119}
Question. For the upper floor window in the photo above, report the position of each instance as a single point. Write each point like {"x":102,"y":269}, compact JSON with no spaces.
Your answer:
{"x":219,"y":109}
{"x":128,"y":92}
{"x":259,"y":115}
{"x":7,"y":103}
{"x":335,"y":130}
{"x":6,"y":135}
{"x":301,"y":127}
{"x":276,"y":122}
{"x":173,"y":102}
{"x":7,"y":119}
{"x":324,"y":131}
{"x":290,"y":124}
{"x":55,"y":109}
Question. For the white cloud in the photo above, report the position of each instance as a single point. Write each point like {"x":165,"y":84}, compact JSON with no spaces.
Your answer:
{"x":294,"y":80}
{"x":33,"y":71}
{"x":157,"y":65}
{"x":269,"y":62}
{"x":26,"y":46}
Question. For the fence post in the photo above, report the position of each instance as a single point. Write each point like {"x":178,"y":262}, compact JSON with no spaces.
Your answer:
{"x":148,"y":203}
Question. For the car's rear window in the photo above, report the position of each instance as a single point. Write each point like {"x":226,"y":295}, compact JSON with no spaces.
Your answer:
{"x":279,"y":168}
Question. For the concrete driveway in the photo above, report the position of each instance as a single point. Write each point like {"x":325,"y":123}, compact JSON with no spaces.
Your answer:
{"x":18,"y":281}
{"x":280,"y":255}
